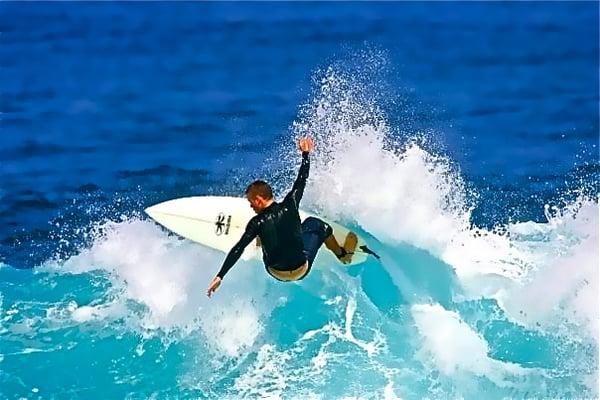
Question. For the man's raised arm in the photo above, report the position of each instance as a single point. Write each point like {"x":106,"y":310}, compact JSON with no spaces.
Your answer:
{"x":305,"y":145}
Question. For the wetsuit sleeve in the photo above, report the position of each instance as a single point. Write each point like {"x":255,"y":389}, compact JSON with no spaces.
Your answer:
{"x":236,"y":251}
{"x":298,"y":189}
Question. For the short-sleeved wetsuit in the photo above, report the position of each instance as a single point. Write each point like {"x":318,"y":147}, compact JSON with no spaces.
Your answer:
{"x":279,"y":229}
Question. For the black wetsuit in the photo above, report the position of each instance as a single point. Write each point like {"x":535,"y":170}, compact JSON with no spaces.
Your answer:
{"x":279,"y":229}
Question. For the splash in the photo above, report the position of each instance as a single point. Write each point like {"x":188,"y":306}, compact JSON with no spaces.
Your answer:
{"x":361,"y":174}
{"x":455,"y":348}
{"x":563,"y":288}
{"x":168,"y":276}
{"x":398,"y":192}
{"x":402,"y":193}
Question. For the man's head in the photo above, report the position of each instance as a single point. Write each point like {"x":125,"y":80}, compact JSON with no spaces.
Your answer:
{"x":260,"y":195}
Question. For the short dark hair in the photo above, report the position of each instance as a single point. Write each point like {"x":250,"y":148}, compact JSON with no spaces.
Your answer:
{"x":260,"y":188}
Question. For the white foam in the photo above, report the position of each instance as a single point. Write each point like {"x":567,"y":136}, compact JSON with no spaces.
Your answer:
{"x":334,"y":332}
{"x":402,"y":193}
{"x":564,"y":285}
{"x":278,"y":372}
{"x":169,"y":277}
{"x":453,"y":347}
{"x":371,"y":348}
{"x":96,"y":313}
{"x":266,"y":379}
{"x":397,"y":192}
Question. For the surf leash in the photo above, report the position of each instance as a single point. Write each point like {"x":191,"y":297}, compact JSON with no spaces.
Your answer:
{"x":367,"y":250}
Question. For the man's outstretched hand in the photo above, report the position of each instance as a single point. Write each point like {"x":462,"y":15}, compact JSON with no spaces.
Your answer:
{"x":306,"y":144}
{"x":214,"y":285}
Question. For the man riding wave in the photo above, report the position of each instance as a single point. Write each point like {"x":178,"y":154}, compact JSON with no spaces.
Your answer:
{"x":289,"y":247}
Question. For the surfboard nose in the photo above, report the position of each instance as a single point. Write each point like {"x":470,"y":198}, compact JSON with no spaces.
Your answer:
{"x":150,"y":211}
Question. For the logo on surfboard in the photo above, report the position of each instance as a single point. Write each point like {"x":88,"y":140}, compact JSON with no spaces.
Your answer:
{"x":222,"y":227}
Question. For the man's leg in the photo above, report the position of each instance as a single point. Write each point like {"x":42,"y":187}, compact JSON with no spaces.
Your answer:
{"x":333,"y":245}
{"x":315,"y":232}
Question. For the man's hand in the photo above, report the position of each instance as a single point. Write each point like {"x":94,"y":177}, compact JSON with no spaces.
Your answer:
{"x":306,"y":144}
{"x":214,"y":285}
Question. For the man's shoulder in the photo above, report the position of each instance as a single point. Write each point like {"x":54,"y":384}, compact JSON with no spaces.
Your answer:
{"x":275,"y":208}
{"x":255,"y":220}
{"x":258,"y":219}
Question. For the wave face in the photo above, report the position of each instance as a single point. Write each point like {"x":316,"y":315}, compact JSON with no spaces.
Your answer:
{"x":487,"y":286}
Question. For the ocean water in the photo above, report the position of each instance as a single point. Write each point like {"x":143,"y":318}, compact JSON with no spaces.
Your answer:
{"x":460,"y":139}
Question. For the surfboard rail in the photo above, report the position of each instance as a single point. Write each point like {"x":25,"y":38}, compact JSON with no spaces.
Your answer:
{"x":218,"y":222}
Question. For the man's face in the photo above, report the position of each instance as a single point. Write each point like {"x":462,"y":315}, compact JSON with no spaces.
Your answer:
{"x":256,"y":202}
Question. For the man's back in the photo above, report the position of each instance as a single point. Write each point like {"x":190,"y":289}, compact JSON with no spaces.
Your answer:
{"x":281,"y":236}
{"x":278,"y":227}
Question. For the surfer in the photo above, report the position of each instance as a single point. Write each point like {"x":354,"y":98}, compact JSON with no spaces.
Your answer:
{"x":289,"y":247}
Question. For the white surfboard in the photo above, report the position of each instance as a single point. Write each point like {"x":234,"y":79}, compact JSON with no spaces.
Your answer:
{"x":218,"y":222}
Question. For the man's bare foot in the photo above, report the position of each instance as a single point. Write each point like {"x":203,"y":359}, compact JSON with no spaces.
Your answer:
{"x":349,"y":246}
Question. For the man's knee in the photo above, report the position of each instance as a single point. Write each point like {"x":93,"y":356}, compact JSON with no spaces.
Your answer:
{"x":316,"y":225}
{"x":328,"y":230}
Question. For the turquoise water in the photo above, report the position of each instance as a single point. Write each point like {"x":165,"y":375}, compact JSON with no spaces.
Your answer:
{"x":93,"y":326}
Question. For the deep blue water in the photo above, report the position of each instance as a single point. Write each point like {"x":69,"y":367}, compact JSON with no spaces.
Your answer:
{"x":109,"y":108}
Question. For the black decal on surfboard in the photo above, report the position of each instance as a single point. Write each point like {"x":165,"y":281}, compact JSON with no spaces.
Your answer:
{"x":228,"y":225}
{"x":220,"y":224}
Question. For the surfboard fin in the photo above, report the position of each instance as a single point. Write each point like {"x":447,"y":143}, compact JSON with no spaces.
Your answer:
{"x":366,"y":250}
